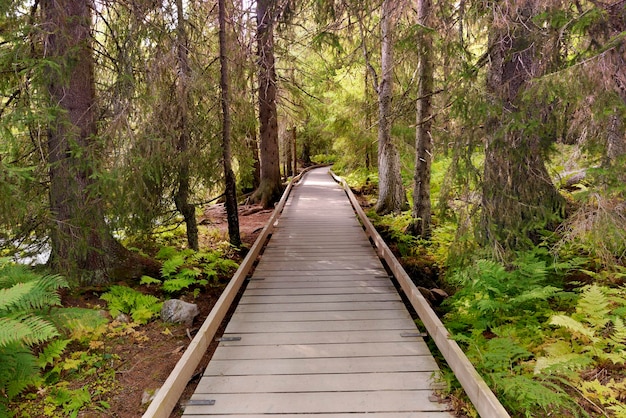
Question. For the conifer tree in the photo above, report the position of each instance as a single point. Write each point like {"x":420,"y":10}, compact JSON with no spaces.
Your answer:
{"x":519,"y":197}
{"x":81,"y":242}
{"x":391,"y":196}
{"x":229,"y":176}
{"x":270,"y":189}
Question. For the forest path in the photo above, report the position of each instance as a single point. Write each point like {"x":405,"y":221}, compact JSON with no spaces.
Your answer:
{"x":320,"y":329}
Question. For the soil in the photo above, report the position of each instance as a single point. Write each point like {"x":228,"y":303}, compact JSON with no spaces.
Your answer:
{"x":146,"y":362}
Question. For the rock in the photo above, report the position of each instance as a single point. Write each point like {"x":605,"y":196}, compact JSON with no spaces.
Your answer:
{"x":123,"y":318}
{"x":439,"y":294}
{"x":148,"y":396}
{"x":175,"y":310}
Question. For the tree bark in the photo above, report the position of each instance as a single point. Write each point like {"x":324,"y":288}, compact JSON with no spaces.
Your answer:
{"x":391,"y":196}
{"x":82,"y":245}
{"x":181,"y":198}
{"x":519,"y":197}
{"x":270,"y":189}
{"x":421,"y":213}
{"x":229,"y":176}
{"x":294,"y":153}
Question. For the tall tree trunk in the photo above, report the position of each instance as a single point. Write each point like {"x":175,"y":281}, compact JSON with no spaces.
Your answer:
{"x":421,"y":213}
{"x":181,"y":198}
{"x":229,"y":176}
{"x":519,"y":197}
{"x":391,"y":196}
{"x":270,"y":189}
{"x":288,"y":158}
{"x":82,"y":245}
{"x":294,"y":152}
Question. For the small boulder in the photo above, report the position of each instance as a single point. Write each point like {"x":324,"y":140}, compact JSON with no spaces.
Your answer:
{"x":175,"y":310}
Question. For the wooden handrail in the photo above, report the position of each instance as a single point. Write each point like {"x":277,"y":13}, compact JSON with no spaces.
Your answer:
{"x":169,"y":394}
{"x":481,"y":396}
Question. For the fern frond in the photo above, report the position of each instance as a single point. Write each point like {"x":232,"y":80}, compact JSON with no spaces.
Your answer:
{"x":18,"y":370}
{"x":573,"y":326}
{"x":11,"y":298}
{"x":40,"y":330}
{"x":536,"y":294}
{"x":172,"y":265}
{"x":52,"y":351}
{"x":69,"y":319}
{"x":12,"y":274}
{"x":166,"y":252}
{"x":178,"y":284}
{"x":618,"y":337}
{"x":593,"y":306}
{"x":28,"y":330}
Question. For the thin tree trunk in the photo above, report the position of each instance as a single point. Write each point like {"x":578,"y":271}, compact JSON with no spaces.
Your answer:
{"x":421,"y":213}
{"x":82,"y":245}
{"x":270,"y":189}
{"x":229,"y":176}
{"x":294,"y":152}
{"x":181,"y":198}
{"x":391,"y":196}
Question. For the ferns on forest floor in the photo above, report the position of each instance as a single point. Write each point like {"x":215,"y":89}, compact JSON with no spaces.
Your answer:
{"x":187,"y":269}
{"x":25,"y":298}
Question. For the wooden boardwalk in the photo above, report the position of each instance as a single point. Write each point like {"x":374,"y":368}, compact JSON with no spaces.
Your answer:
{"x":320,"y":330}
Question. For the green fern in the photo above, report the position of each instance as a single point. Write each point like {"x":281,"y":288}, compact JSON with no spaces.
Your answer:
{"x":51,"y":352}
{"x":125,"y":300}
{"x":594,"y":333}
{"x":26,"y":299}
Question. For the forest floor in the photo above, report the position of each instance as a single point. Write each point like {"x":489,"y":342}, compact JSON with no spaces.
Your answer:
{"x":148,"y":354}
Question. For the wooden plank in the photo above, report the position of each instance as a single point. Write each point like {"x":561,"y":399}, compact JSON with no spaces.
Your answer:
{"x":323,"y":402}
{"x":315,"y":383}
{"x":376,"y":297}
{"x":320,"y":291}
{"x":309,"y":284}
{"x":321,"y":366}
{"x":320,"y":316}
{"x":266,"y":277}
{"x":378,"y":271}
{"x":301,"y":351}
{"x":288,"y":265}
{"x":236,"y":327}
{"x":324,"y":337}
{"x":310,"y":307}
{"x":428,"y":414}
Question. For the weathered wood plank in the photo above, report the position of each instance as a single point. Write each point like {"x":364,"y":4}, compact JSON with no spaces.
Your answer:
{"x":237,"y":327}
{"x":296,"y":351}
{"x":374,"y":297}
{"x":320,"y":291}
{"x":315,"y":383}
{"x":428,"y":414}
{"x":328,"y":306}
{"x":320,"y":315}
{"x":285,"y":283}
{"x":324,"y":402}
{"x":321,"y":366}
{"x":323,"y":337}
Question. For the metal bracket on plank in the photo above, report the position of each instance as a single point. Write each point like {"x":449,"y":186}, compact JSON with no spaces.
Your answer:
{"x":414,"y":334}
{"x":199,"y":402}
{"x":228,"y":339}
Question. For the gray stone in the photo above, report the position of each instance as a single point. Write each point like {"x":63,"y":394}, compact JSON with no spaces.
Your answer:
{"x":148,"y":396}
{"x":175,"y":310}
